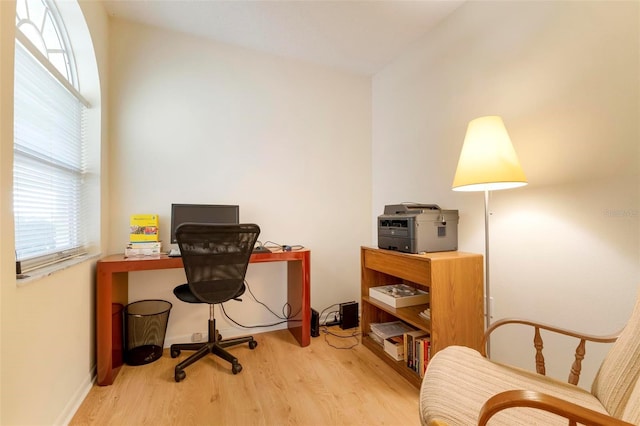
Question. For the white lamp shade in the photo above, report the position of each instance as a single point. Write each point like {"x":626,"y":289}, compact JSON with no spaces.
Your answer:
{"x":488,"y":161}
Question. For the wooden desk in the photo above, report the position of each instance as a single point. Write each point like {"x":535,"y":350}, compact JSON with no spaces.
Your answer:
{"x":112,"y":287}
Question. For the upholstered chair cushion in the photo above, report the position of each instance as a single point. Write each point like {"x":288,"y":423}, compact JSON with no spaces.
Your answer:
{"x":459,"y":380}
{"x":618,"y":374}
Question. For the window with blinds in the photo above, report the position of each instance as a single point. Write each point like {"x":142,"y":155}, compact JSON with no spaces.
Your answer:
{"x":49,"y":157}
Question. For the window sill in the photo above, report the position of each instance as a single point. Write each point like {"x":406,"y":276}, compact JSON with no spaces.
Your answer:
{"x":38,"y":274}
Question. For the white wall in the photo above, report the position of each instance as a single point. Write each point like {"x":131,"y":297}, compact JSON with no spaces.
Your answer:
{"x":564,"y":75}
{"x":195,"y":121}
{"x":47,"y":336}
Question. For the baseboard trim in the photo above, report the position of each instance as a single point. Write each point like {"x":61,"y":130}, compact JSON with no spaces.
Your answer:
{"x":76,"y":400}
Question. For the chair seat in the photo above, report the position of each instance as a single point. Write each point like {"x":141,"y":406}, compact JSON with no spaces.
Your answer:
{"x":459,"y":380}
{"x":184,"y":293}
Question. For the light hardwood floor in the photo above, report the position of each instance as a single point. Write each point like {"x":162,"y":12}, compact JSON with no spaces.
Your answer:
{"x":281,"y":384}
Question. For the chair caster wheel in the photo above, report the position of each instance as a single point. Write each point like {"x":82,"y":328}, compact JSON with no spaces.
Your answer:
{"x":253,"y":344}
{"x":236,"y":368}
{"x":180,"y":375}
{"x":175,"y":353}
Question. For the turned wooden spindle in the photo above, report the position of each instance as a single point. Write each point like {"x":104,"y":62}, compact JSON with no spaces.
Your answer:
{"x":574,"y":376}
{"x":538,"y":344}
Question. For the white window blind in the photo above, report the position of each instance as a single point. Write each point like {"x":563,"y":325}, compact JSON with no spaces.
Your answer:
{"x":49,"y":166}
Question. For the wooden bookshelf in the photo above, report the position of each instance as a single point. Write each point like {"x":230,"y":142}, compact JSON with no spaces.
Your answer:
{"x":454,"y":281}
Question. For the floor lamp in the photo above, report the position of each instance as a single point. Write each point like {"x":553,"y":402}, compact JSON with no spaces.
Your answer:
{"x":487,"y":162}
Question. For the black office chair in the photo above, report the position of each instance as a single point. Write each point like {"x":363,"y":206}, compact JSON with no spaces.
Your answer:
{"x":215,"y":259}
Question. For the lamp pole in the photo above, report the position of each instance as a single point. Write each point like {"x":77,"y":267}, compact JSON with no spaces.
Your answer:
{"x":487,"y":286}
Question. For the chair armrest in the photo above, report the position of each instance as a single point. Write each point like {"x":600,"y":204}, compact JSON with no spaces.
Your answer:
{"x":532,"y":399}
{"x":574,"y":375}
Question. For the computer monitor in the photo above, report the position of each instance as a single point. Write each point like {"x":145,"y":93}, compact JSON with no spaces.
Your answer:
{"x":202,"y":213}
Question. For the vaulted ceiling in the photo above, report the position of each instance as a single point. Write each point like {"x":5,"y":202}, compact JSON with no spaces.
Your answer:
{"x":353,"y":35}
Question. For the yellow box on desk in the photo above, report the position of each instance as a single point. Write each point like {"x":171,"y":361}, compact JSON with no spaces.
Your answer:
{"x":144,"y":227}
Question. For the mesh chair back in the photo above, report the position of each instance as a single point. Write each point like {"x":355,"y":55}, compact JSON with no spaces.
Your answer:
{"x":215,"y":258}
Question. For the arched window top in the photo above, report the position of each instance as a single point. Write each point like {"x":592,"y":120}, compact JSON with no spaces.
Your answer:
{"x":40,"y":23}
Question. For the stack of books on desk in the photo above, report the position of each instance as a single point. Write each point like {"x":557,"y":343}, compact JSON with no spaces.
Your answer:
{"x":151,"y":249}
{"x":144,"y":237}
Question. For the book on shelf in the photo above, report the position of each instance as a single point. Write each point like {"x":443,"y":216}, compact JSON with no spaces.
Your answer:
{"x":426,"y":314}
{"x":394,"y":347}
{"x":409,"y":346}
{"x":399,"y":295}
{"x":144,"y":227}
{"x":421,"y":354}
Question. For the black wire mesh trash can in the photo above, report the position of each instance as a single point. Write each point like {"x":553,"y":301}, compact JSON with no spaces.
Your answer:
{"x":145,"y":329}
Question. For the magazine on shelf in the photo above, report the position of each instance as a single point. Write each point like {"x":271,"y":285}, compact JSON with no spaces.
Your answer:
{"x":399,"y":295}
{"x":379,"y":340}
{"x":389,"y":329}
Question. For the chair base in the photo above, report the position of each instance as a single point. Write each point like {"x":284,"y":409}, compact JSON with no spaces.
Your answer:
{"x":215,"y":345}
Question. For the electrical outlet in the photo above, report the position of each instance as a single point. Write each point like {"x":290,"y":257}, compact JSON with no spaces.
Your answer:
{"x":196,"y":337}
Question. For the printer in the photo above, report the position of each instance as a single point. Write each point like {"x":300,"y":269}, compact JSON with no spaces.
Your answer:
{"x":418,"y":228}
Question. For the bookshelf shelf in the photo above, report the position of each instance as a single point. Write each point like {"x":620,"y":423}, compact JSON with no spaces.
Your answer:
{"x":454,"y":281}
{"x":399,"y":366}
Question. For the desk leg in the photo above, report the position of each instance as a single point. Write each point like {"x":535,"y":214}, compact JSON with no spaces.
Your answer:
{"x":111,"y":288}
{"x":299,"y":298}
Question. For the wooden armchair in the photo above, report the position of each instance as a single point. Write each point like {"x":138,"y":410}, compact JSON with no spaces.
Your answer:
{"x":462,"y":387}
